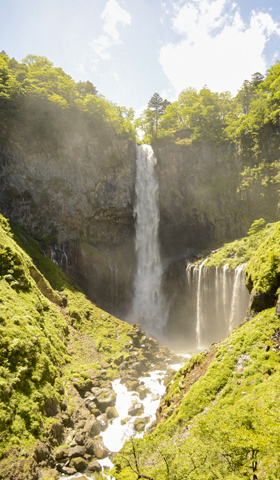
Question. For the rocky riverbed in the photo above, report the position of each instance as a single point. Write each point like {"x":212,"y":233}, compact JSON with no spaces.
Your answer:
{"x":101,"y":413}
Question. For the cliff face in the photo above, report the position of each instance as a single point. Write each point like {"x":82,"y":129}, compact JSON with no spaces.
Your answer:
{"x":73,"y":189}
{"x":74,"y":192}
{"x":199,"y":202}
{"x":198,"y":199}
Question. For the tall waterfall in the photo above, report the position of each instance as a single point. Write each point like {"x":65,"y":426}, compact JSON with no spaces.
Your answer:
{"x":148,"y":306}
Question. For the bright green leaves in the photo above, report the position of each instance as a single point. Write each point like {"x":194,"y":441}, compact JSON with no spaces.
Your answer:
{"x":50,"y":95}
{"x":263,"y":269}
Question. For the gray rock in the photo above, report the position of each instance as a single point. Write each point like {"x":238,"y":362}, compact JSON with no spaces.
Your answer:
{"x":140,"y":423}
{"x":79,"y":464}
{"x":103,"y":421}
{"x":77,"y":451}
{"x":96,"y":447}
{"x":92,"y":427}
{"x":94,"y":466}
{"x":136,"y":409}
{"x":106,"y":398}
{"x":111,"y":412}
{"x":68,"y":470}
{"x":61,"y":454}
{"x":79,"y":439}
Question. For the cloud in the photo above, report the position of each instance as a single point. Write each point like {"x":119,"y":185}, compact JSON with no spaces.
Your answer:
{"x":101,"y":47}
{"x":217,"y":48}
{"x":113,"y":14}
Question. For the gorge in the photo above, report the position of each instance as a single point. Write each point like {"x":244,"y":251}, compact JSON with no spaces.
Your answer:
{"x":101,"y":236}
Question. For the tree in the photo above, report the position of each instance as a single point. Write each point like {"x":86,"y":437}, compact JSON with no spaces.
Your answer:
{"x":156,"y":108}
{"x":86,"y":88}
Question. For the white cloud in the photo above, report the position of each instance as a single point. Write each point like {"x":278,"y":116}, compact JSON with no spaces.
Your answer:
{"x":113,"y":14}
{"x":101,"y":46}
{"x":217,"y":49}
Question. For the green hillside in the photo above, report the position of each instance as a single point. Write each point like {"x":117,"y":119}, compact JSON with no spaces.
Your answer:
{"x":220,"y":416}
{"x":51,"y":340}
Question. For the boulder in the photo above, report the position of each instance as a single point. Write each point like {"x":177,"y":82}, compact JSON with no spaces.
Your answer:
{"x":142,"y":391}
{"x":77,"y":451}
{"x":103,"y":421}
{"x":41,"y":452}
{"x":136,"y":409}
{"x":128,"y":378}
{"x":132,"y":385}
{"x":79,"y":438}
{"x":105,"y":398}
{"x":56,"y":433}
{"x":94,"y":466}
{"x":61,"y":454}
{"x":79,"y":464}
{"x":119,"y":359}
{"x":124,"y":420}
{"x":111,"y":412}
{"x":51,"y":407}
{"x":92,"y":427}
{"x":95,"y":447}
{"x":90,"y":402}
{"x":140,"y":423}
{"x":99,"y":449}
{"x":260,"y":301}
{"x":68,"y":470}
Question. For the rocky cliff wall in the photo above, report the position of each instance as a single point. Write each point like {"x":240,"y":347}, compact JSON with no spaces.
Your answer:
{"x":198,"y":199}
{"x":74,"y":192}
{"x":73,"y":189}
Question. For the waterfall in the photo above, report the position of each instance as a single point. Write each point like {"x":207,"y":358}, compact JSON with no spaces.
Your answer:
{"x":237,"y":285}
{"x":148,"y":306}
{"x":225,"y":269}
{"x":199,"y":299}
{"x":216,"y":301}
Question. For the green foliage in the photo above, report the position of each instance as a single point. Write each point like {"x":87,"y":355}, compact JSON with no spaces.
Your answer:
{"x":242,"y":250}
{"x":32,"y":349}
{"x":263,"y":269}
{"x":42,"y":96}
{"x":256,"y":226}
{"x":226,"y":425}
{"x":42,"y":345}
{"x":221,"y":411}
{"x":148,"y":122}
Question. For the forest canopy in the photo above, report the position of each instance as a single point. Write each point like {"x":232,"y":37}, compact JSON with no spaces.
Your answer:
{"x":35,"y":84}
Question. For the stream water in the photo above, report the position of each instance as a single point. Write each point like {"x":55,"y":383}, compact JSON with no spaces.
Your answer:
{"x":122,"y":428}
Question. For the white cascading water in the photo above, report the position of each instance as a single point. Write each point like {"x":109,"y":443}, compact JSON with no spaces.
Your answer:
{"x":148,"y":306}
{"x":199,"y":300}
{"x":217,"y":301}
{"x":237,"y":285}
{"x":225,"y":270}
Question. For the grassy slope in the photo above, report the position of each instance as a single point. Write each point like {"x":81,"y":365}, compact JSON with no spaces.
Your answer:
{"x":220,"y":417}
{"x":42,"y":346}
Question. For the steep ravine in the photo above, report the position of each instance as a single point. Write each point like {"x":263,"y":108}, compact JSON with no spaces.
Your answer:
{"x":59,"y":356}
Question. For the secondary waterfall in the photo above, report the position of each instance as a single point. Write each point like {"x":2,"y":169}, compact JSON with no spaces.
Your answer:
{"x":217,"y":301}
{"x":199,"y":299}
{"x":148,"y":306}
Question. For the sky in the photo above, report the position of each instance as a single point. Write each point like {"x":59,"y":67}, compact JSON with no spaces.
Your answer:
{"x":130,"y":49}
